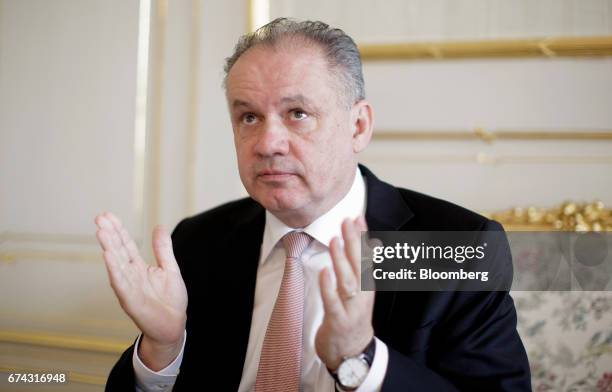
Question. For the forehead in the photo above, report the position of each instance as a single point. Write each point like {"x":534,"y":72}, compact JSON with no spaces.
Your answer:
{"x":273,"y":72}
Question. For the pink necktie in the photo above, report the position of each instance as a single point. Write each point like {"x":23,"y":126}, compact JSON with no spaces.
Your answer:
{"x":281,"y":355}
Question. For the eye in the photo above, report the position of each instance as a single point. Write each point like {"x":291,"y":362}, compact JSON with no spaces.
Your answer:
{"x":298,"y":114}
{"x":249,"y":118}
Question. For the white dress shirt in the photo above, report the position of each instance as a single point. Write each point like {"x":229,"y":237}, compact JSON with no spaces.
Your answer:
{"x":314,"y":377}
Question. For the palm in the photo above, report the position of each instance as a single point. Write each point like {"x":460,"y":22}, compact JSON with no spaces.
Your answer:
{"x":154,"y":297}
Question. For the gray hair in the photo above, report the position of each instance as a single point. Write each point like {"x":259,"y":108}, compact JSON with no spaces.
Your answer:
{"x":339,"y":49}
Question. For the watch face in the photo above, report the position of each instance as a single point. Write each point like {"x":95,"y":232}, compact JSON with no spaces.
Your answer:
{"x":352,"y":372}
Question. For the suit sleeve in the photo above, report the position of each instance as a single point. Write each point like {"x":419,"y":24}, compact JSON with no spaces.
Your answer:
{"x":121,"y":377}
{"x":472,"y":346}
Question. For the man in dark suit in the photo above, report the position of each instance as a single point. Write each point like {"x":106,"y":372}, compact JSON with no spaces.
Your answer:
{"x":299,"y":115}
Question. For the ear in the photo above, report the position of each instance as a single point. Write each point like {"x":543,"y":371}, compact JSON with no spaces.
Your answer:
{"x":362,"y":120}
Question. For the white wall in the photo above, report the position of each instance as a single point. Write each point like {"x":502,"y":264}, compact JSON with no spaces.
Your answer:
{"x":505,"y":94}
{"x":427,"y":20}
{"x":67,"y":107}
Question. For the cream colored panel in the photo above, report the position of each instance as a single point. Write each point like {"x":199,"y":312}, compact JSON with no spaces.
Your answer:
{"x":494,"y":177}
{"x":60,"y":295}
{"x":494,"y":94}
{"x":68,"y":73}
{"x":67,"y":94}
{"x":517,"y":95}
{"x":423,"y":20}
{"x":217,"y":175}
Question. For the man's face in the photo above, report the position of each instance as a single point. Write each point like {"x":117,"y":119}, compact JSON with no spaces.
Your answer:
{"x":293,"y":131}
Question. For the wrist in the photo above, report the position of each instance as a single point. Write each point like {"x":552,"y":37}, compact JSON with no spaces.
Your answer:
{"x":352,"y":371}
{"x":332,"y":363}
{"x":157,"y":356}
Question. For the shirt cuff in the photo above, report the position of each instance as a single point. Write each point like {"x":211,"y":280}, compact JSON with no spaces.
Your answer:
{"x":374,"y":380}
{"x":163,"y":380}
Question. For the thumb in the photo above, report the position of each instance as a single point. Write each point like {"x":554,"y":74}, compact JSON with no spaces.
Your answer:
{"x":162,"y":248}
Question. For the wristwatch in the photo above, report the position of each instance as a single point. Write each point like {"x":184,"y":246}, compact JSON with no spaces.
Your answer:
{"x":353,"y":370}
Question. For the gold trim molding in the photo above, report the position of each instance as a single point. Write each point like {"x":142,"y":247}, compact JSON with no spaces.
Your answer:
{"x":491,"y":136}
{"x":50,"y":255}
{"x":140,"y":114}
{"x":69,"y":342}
{"x":258,"y":13}
{"x":483,"y":158}
{"x":55,"y":238}
{"x":594,"y":46}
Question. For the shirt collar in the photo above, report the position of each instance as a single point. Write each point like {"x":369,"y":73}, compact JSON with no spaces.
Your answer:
{"x":325,"y":227}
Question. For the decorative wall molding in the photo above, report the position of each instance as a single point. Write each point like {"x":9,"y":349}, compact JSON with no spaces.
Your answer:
{"x":555,"y":46}
{"x":568,"y":216}
{"x":13,"y":256}
{"x":41,"y":237}
{"x":486,"y":159}
{"x":258,"y":14}
{"x":16,"y":246}
{"x":64,"y":341}
{"x":498,"y":48}
{"x":490,"y":136}
{"x":140,"y":114}
{"x":54,"y":321}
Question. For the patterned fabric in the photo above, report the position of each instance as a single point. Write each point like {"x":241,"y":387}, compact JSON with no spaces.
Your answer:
{"x":568,"y":338}
{"x":281,"y":355}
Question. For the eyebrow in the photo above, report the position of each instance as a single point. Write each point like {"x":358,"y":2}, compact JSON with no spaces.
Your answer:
{"x":238,"y":103}
{"x":298,"y":98}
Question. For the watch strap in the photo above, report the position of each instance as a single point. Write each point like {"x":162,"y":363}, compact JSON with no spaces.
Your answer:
{"x":370,"y":350}
{"x":367,"y":355}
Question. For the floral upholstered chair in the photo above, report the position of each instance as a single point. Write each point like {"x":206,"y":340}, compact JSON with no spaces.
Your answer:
{"x":567,"y":334}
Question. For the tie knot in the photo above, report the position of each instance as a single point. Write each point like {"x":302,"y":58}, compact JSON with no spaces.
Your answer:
{"x":295,"y":242}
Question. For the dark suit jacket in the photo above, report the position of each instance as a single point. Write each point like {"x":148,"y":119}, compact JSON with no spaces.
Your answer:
{"x":437,"y":341}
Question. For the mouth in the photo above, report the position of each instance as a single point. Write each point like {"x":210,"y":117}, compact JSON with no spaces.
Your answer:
{"x":274,"y":175}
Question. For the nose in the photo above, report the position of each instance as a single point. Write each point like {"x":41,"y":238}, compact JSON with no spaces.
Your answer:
{"x":273,"y":139}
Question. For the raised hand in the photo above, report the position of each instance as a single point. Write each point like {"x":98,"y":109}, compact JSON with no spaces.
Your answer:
{"x":347,"y":328}
{"x":154,"y":297}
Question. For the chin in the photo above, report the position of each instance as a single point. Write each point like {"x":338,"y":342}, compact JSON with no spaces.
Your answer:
{"x":275,"y":201}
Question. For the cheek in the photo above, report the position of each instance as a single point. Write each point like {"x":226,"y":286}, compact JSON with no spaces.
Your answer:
{"x":245,"y":165}
{"x":323,"y":160}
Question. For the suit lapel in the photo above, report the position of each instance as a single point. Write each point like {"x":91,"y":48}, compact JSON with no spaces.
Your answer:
{"x":245,"y":244}
{"x":386,"y":211}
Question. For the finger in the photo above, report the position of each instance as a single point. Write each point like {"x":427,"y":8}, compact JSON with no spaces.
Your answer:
{"x":115,"y":275}
{"x":122,"y":244}
{"x":130,"y":246}
{"x":367,"y":262}
{"x":119,"y":248}
{"x":102,"y":222}
{"x":119,"y":271}
{"x":105,"y":240}
{"x":113,"y":218}
{"x":162,"y":247}
{"x":332,"y":304}
{"x":352,"y":245}
{"x":345,"y":277}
